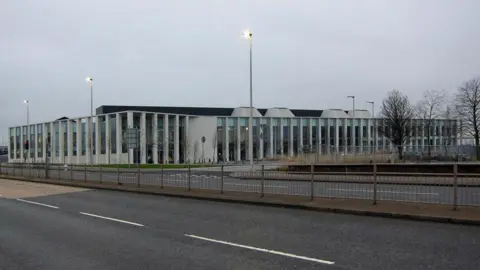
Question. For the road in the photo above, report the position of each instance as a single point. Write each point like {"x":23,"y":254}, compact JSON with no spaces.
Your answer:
{"x":52,"y":227}
{"x":211,"y":179}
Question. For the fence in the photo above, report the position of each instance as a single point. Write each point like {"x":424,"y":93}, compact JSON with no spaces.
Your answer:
{"x":368,"y":154}
{"x":453,"y":185}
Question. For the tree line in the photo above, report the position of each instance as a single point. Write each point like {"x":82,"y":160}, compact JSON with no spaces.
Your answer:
{"x":397,"y":112}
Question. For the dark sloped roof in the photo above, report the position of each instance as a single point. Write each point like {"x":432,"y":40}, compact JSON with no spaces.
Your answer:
{"x":205,"y":111}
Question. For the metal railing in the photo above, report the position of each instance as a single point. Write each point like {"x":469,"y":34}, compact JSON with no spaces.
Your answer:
{"x":455,"y":184}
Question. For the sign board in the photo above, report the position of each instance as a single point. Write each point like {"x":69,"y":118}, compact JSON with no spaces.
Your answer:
{"x":131,"y":137}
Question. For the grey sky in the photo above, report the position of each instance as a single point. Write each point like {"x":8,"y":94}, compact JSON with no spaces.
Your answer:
{"x":307,"y":54}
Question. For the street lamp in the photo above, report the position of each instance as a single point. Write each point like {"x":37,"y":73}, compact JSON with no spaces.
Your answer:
{"x":374,"y":125}
{"x":352,"y":128}
{"x":28,"y":130}
{"x":247,"y":34}
{"x":90,"y":134}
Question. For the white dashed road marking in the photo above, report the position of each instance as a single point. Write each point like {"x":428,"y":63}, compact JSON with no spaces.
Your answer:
{"x":36,"y":203}
{"x":112,"y":219}
{"x":261,"y":249}
{"x":384,"y":191}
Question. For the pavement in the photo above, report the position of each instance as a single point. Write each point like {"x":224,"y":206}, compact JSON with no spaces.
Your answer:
{"x":441,"y":192}
{"x":95,"y":229}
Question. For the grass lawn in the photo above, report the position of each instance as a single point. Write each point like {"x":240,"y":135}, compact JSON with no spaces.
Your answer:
{"x":155,"y":166}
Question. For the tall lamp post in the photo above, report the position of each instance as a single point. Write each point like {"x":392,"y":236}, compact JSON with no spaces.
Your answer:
{"x":90,"y":134}
{"x":27,"y":142}
{"x":248,"y":35}
{"x":374,"y":127}
{"x":352,"y":127}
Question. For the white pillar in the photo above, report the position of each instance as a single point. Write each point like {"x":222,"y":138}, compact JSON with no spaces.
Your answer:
{"x":69,"y":142}
{"x":166,"y":139}
{"x":328,"y":147}
{"x":310,"y":132}
{"x":290,"y":137}
{"x":280,"y":137}
{"x":44,"y":142}
{"x":108,"y":140}
{"x":35,"y":149}
{"x":188,"y":141}
{"x":79,"y":140}
{"x":176,"y":141}
{"x":260,"y":136}
{"x":270,"y":142}
{"x":14,"y":144}
{"x":319,"y":136}
{"x":300,"y":136}
{"x":336,"y":135}
{"x":118,"y":136}
{"x":53,"y":142}
{"x":155,"y":138}
{"x":239,"y":140}
{"x":88,"y":137}
{"x":61,"y":142}
{"x":10,"y":130}
{"x":98,"y":142}
{"x":130,"y":125}
{"x":22,"y":144}
{"x":226,"y":139}
{"x":143,"y":138}
{"x":361,"y":122}
{"x":345,"y":138}
{"x":353,"y":146}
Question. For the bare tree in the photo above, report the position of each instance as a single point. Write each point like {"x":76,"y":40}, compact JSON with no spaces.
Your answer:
{"x":397,"y":113}
{"x":467,"y":105}
{"x":430,"y":108}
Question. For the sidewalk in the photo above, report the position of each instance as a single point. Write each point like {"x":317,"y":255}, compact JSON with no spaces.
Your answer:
{"x":390,"y":209}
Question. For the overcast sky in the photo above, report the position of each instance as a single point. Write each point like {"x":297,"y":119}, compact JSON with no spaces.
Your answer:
{"x":306,"y":54}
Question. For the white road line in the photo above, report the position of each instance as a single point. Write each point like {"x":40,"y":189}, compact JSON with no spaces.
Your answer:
{"x":256,"y":185}
{"x":261,"y":249}
{"x":41,"y":204}
{"x":383,"y":191}
{"x":112,"y":219}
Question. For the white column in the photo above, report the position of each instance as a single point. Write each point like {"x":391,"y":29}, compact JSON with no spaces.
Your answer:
{"x":61,"y":142}
{"x":238,"y":140}
{"x":143,"y":138}
{"x":260,"y":136}
{"x":328,"y":147}
{"x":155,"y":138}
{"x":9,"y":143}
{"x":35,"y":149}
{"x":353,"y":146}
{"x":345,"y":138}
{"x":271,"y":145}
{"x":14,"y":144}
{"x":300,"y":136}
{"x":88,"y":138}
{"x":118,"y":135}
{"x":176,"y":141}
{"x":310,"y":132}
{"x":53,"y":151}
{"x":22,"y":144}
{"x":98,"y":143}
{"x":44,"y":143}
{"x":79,"y":140}
{"x":280,"y":137}
{"x":69,"y":142}
{"x":226,"y":139}
{"x":361,"y":122}
{"x":336,"y":139}
{"x":319,"y":136}
{"x":290,"y":137}
{"x":108,"y":140}
{"x":130,"y":125}
{"x":166,"y":139}
{"x":189,"y":141}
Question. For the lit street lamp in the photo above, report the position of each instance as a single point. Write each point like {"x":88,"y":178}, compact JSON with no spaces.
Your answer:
{"x":90,"y":134}
{"x":248,"y":35}
{"x":352,"y":128}
{"x":27,"y":143}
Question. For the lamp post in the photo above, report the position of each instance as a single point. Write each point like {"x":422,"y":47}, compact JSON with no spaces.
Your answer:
{"x":28,"y":130}
{"x":90,"y":134}
{"x":248,"y":35}
{"x":374,"y":126}
{"x":352,"y":127}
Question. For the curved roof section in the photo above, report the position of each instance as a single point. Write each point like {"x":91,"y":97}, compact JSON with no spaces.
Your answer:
{"x":279,"y":112}
{"x":359,"y":114}
{"x":245,"y":112}
{"x":334,"y":113}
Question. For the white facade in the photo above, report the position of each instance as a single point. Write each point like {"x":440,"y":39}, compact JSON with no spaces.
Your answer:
{"x":177,"y":138}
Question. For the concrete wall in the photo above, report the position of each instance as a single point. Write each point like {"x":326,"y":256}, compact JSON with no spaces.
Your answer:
{"x":198,"y":127}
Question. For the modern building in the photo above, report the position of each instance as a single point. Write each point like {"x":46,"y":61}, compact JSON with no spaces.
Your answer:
{"x":200,"y":134}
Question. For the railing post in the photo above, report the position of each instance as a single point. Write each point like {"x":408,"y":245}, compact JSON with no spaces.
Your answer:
{"x":189,"y":176}
{"x":138,"y":175}
{"x":312,"y":182}
{"x":118,"y":174}
{"x":374,"y":183}
{"x":29,"y":170}
{"x":455,"y":186}
{"x":85,"y":174}
{"x":71,"y":172}
{"x":101,"y":173}
{"x":221,"y":179}
{"x":161,"y":176}
{"x":262,"y":184}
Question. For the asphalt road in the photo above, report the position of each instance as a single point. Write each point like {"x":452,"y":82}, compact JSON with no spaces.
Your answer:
{"x":115,"y":230}
{"x":211,"y":179}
